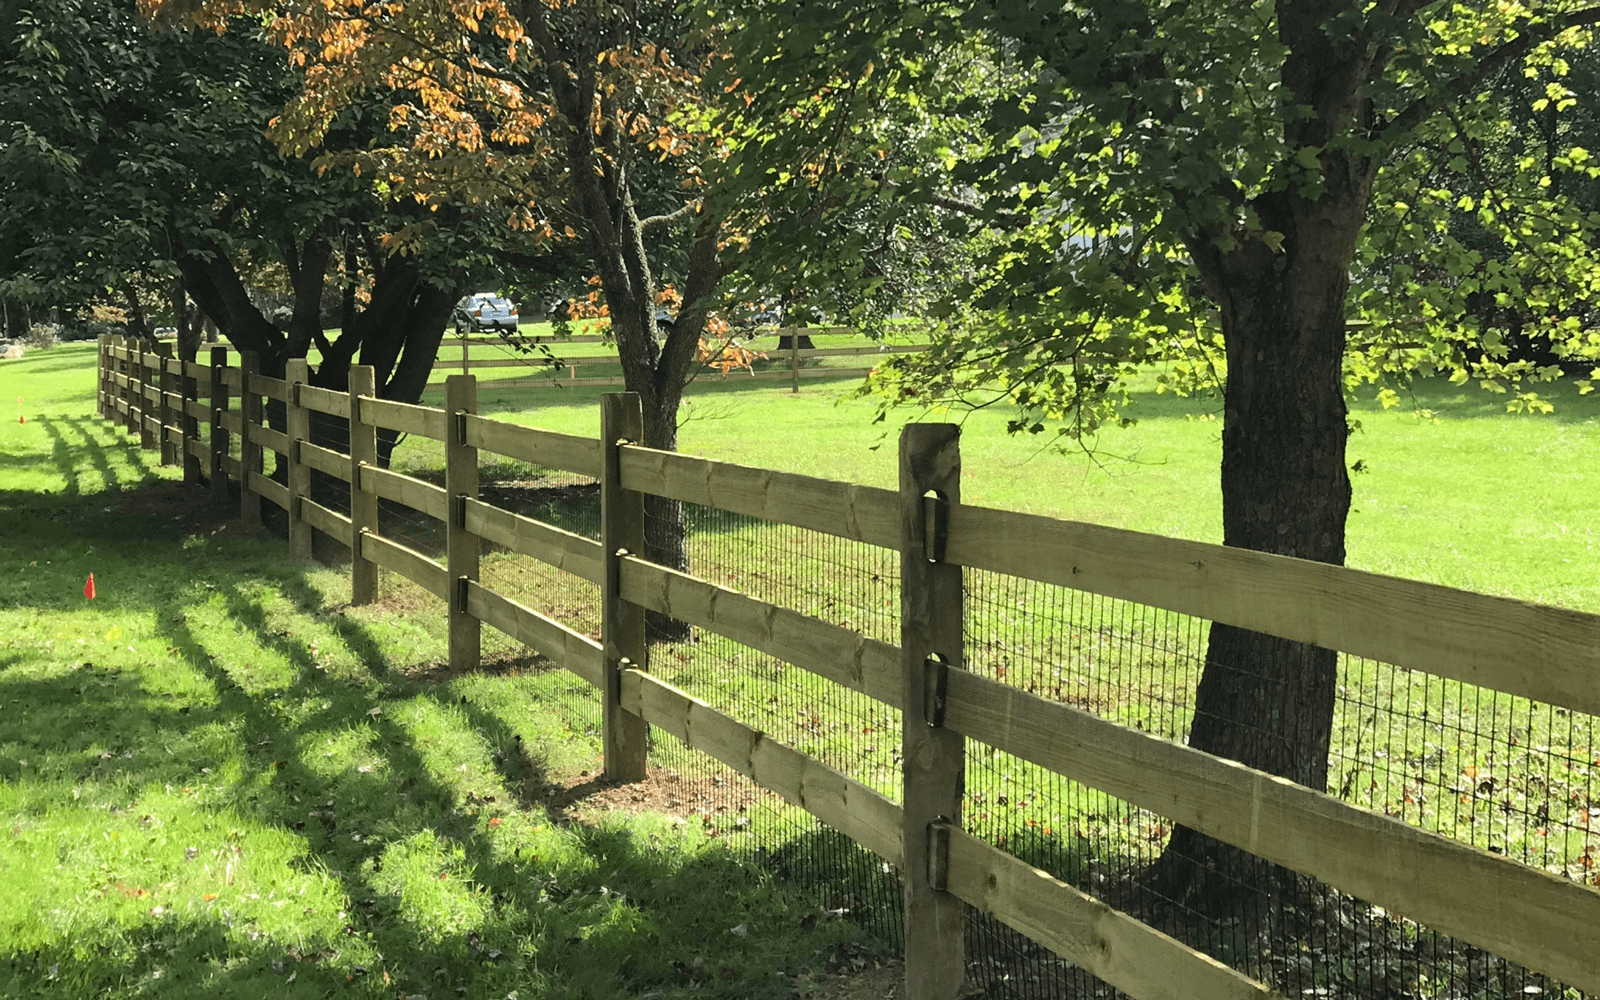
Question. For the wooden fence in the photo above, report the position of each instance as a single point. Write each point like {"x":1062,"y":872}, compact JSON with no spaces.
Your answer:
{"x":1516,"y":911}
{"x":493,"y":353}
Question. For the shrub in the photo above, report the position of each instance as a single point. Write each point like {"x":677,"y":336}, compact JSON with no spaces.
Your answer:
{"x":42,"y":335}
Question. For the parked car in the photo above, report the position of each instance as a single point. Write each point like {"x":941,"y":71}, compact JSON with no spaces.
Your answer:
{"x":485,"y":311}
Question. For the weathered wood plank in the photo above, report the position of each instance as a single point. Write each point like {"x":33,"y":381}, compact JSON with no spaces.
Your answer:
{"x":269,"y":489}
{"x":564,"y":550}
{"x":933,"y":771}
{"x":463,"y":549}
{"x":272,"y":388}
{"x":1517,"y":912}
{"x":573,"y":651}
{"x":298,"y":428}
{"x":326,"y":461}
{"x":232,"y":378}
{"x":1539,"y":652}
{"x":409,"y":563}
{"x":230,"y":466}
{"x":232,"y":421}
{"x":363,"y":504}
{"x":270,"y":439}
{"x":198,"y":450}
{"x":1130,"y":955}
{"x":866,"y":816}
{"x":528,"y":444}
{"x":331,"y":523}
{"x":325,"y":400}
{"x":862,"y":513}
{"x":621,"y":621}
{"x":823,"y":648}
{"x":196,"y":410}
{"x":422,"y":421}
{"x":413,"y":493}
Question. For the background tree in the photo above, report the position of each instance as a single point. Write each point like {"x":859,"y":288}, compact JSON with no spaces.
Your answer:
{"x":1197,"y":185}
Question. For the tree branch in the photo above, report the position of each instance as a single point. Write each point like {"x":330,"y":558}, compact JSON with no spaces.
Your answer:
{"x":671,"y":218}
{"x":1487,"y":65}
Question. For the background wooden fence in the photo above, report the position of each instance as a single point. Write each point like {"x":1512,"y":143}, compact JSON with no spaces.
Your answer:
{"x":467,"y":354}
{"x":1519,"y":912}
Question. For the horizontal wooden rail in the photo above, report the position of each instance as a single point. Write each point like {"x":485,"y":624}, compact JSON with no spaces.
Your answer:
{"x":200,"y":450}
{"x":329,"y":522}
{"x":270,"y":489}
{"x":549,"y":449}
{"x":199,"y":372}
{"x":861,"y":513}
{"x":230,"y":467}
{"x":823,"y":648}
{"x":413,"y":493}
{"x":232,"y":377}
{"x":197,"y":409}
{"x":1539,"y":652}
{"x":272,"y":388}
{"x":325,"y":460}
{"x":571,"y":650}
{"x":325,"y":400}
{"x":266,"y":437}
{"x":866,"y":816}
{"x":564,"y":550}
{"x":1515,"y":911}
{"x":846,"y":352}
{"x":232,"y":420}
{"x":559,"y":381}
{"x":423,"y":421}
{"x":1130,"y":955}
{"x":409,"y":563}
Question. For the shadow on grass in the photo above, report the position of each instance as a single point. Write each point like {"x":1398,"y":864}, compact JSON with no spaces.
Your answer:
{"x":624,"y":914}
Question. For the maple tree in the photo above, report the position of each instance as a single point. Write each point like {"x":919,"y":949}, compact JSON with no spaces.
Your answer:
{"x":1218,"y":191}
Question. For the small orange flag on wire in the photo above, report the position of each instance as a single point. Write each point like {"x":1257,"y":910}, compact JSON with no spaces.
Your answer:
{"x":88,"y":588}
{"x":20,"y":418}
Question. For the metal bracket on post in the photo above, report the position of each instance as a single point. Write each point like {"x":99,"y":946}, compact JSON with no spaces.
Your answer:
{"x":461,"y":593}
{"x":938,"y":684}
{"x":461,"y":426}
{"x":939,"y":855}
{"x":936,"y":527}
{"x":458,"y":511}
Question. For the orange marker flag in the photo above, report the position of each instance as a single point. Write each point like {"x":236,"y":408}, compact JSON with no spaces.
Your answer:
{"x":88,"y":588}
{"x":20,"y":418}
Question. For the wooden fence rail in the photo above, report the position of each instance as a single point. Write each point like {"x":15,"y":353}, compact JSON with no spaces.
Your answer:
{"x":1514,"y":910}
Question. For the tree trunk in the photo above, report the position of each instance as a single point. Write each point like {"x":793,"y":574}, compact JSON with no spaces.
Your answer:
{"x":1264,"y":701}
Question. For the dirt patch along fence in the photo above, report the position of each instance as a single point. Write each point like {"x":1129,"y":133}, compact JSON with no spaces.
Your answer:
{"x":948,"y":707}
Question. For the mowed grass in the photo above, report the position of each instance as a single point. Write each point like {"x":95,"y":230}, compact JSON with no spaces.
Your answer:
{"x":217,"y":779}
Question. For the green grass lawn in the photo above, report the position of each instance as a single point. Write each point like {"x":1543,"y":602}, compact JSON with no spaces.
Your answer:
{"x":217,"y":779}
{"x":258,"y":649}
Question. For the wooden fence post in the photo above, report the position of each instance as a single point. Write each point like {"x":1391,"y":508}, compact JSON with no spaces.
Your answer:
{"x":219,"y":433}
{"x":190,"y":387}
{"x":297,"y":423}
{"x":931,"y":639}
{"x":622,"y":623}
{"x":794,"y":362}
{"x":363,"y":503}
{"x":131,"y":391}
{"x":249,"y":448}
{"x":103,"y":349}
{"x":147,"y":438}
{"x":462,"y":548}
{"x":166,"y":387}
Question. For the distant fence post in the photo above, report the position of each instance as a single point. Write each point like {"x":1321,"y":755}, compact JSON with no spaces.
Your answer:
{"x":794,"y":362}
{"x":102,"y":367}
{"x":462,"y":548}
{"x":132,"y":389}
{"x":931,"y":639}
{"x":622,"y":623}
{"x":147,"y":437}
{"x":166,"y":388}
{"x":249,"y":446}
{"x":190,"y":387}
{"x":297,"y":422}
{"x":363,"y":503}
{"x":219,"y":433}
